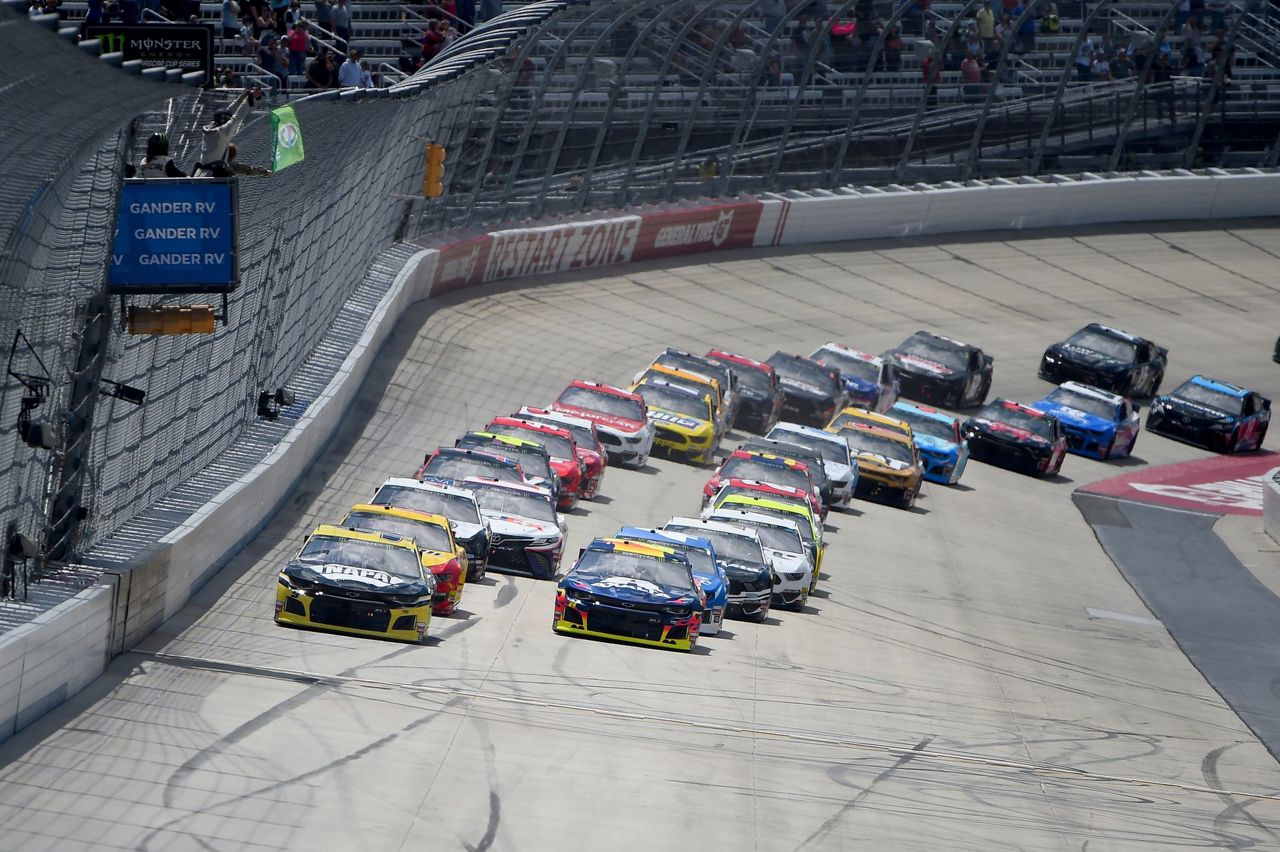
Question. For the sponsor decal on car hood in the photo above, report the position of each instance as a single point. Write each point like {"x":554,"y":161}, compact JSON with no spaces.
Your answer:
{"x":1088,"y":357}
{"x":367,"y":576}
{"x":803,"y":387}
{"x":632,"y":589}
{"x":1076,"y":417}
{"x":1195,"y":409}
{"x":1012,"y":431}
{"x":624,"y":424}
{"x":671,"y":417}
{"x":883,"y":461}
{"x":925,"y":364}
{"x":517,"y":525}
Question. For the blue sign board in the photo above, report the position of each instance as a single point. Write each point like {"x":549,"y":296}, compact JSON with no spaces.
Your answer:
{"x":175,"y":235}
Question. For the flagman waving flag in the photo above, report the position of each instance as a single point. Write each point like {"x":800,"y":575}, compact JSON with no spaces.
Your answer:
{"x":286,"y":139}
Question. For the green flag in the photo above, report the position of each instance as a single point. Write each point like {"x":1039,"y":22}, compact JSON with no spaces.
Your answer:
{"x":286,"y":139}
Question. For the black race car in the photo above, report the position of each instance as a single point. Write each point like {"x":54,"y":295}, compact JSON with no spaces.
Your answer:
{"x":940,"y":371}
{"x":1215,"y":415}
{"x":1017,"y":436}
{"x":1107,"y":358}
{"x":786,"y":449}
{"x":811,"y":392}
{"x":761,"y":396}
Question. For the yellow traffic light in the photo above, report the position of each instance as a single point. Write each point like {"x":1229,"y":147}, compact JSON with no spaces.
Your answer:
{"x":432,"y":180}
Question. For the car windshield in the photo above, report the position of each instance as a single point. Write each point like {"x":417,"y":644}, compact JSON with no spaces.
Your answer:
{"x":557,"y":445}
{"x":832,"y":451}
{"x":532,"y":462}
{"x":740,"y":468}
{"x":778,"y":538}
{"x":922,"y":424}
{"x":749,"y":377}
{"x":734,"y":547}
{"x":803,"y":370}
{"x":428,"y":536}
{"x":1068,"y":398}
{"x":802,"y":522}
{"x":674,"y":401}
{"x":605,"y":403}
{"x":455,"y":507}
{"x":696,"y":365}
{"x":998,"y":413}
{"x":938,"y":351}
{"x":865,"y":441}
{"x":332,"y":550}
{"x":460,"y":467}
{"x":582,"y":435}
{"x":1112,"y":347}
{"x":509,"y":501}
{"x":848,"y":364}
{"x":597,"y":564}
{"x":1202,"y":395}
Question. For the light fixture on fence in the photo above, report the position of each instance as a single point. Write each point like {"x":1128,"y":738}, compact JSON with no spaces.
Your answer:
{"x":270,"y":404}
{"x":18,"y":549}
{"x":128,"y":393}
{"x":34,"y":433}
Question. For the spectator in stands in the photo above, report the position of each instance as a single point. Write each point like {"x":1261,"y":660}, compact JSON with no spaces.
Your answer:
{"x":349,"y":72}
{"x":1004,"y":32}
{"x":930,"y":74}
{"x":1220,"y":62}
{"x":1026,"y":30}
{"x":971,"y":74}
{"x":772,"y":74}
{"x":986,"y":21}
{"x":1217,"y":15}
{"x":466,"y":14}
{"x":1192,"y":59}
{"x":156,"y":164}
{"x":773,"y":12}
{"x":218,"y":133}
{"x":35,"y":8}
{"x":893,"y":46}
{"x":292,"y":15}
{"x":1161,"y":77}
{"x":230,"y":19}
{"x":1084,"y":58}
{"x":973,"y":43}
{"x":449,"y":31}
{"x":298,"y":38}
{"x":366,"y":75}
{"x":263,"y":21}
{"x":278,"y":10}
{"x":1101,"y":68}
{"x":321,"y":73}
{"x":341,"y":14}
{"x":1122,"y":66}
{"x":432,"y":41}
{"x":1051,"y":24}
{"x":324,"y":15}
{"x":270,"y":58}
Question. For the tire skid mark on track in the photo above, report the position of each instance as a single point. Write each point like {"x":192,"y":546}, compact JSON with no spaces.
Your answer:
{"x":819,"y":739}
{"x":1218,"y":266}
{"x":1093,"y":281}
{"x":826,"y":311}
{"x":883,"y":285}
{"x":1209,"y":769}
{"x":1023,"y":284}
{"x":1167,"y":281}
{"x":1013,"y":309}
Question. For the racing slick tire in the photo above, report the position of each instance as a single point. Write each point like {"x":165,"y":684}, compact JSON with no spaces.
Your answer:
{"x":1110,"y":450}
{"x":908,"y":499}
{"x":1155,"y":384}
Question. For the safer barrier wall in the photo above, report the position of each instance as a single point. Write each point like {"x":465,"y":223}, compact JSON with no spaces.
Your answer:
{"x":42,"y":665}
{"x":1271,"y":504}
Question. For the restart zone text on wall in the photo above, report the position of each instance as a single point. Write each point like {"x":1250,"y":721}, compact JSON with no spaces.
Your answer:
{"x":175,"y":235}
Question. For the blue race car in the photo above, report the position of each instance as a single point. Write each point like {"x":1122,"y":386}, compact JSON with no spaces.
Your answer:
{"x":707,"y":573}
{"x":870,"y":381}
{"x":943,"y":449}
{"x":1215,"y":415}
{"x":1098,"y":424}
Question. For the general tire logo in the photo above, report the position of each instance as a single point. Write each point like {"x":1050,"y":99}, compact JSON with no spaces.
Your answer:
{"x":723,"y":223}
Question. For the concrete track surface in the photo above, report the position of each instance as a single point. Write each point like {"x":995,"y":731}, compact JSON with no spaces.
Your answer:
{"x":947,"y":689}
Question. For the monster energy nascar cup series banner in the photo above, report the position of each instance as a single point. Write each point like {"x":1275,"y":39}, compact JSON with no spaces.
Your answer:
{"x":159,"y":45}
{"x":175,"y":235}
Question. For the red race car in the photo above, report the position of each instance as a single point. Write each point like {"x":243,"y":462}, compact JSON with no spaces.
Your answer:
{"x":621,"y":419}
{"x":586,"y":441}
{"x":559,"y":443}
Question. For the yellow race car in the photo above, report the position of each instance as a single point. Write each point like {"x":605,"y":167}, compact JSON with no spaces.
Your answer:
{"x":888,"y":463}
{"x":694,"y":381}
{"x":854,"y":415}
{"x":433,"y":534}
{"x":683,"y":420}
{"x":360,"y":582}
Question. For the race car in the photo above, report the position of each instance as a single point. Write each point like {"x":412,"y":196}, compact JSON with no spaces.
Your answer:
{"x":808,"y":526}
{"x":1216,"y":415}
{"x":870,"y":381}
{"x":619,"y":417}
{"x":940,"y":371}
{"x":710,"y":577}
{"x":888,"y":464}
{"x":632,"y":591}
{"x":739,"y":553}
{"x":586,"y":444}
{"x":533,"y":458}
{"x":780,"y":539}
{"x":853,"y":415}
{"x":942,"y":448}
{"x":811,"y":393}
{"x":525,"y":533}
{"x":684,"y":423}
{"x":561,"y":449}
{"x":797,"y":452}
{"x":446,"y":561}
{"x":454,"y":464}
{"x":456,"y":504}
{"x":840,"y":467}
{"x":767,"y":467}
{"x":680,"y":360}
{"x":359,"y":582}
{"x":1107,"y":358}
{"x":1013,"y":435}
{"x":760,"y":395}
{"x":1098,"y":424}
{"x":697,"y":382}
